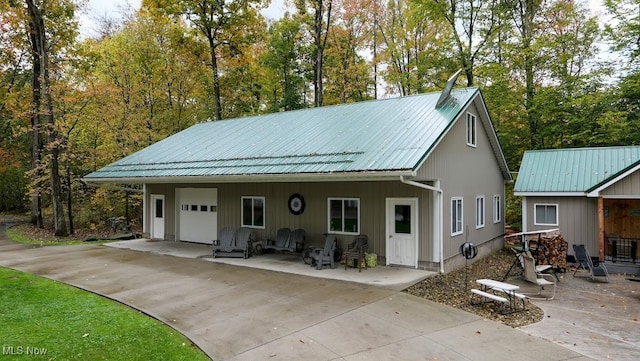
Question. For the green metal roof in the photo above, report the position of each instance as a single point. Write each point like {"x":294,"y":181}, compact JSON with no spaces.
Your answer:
{"x":576,"y":171}
{"x":383,"y":136}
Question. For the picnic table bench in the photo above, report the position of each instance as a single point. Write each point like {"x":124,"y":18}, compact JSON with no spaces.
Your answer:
{"x":507,"y":295}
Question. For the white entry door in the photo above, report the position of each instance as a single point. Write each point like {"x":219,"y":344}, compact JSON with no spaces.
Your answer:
{"x":157,"y":216}
{"x":402,"y":232}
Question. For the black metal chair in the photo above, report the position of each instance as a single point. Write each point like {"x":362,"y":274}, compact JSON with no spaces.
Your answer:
{"x":584,"y":259}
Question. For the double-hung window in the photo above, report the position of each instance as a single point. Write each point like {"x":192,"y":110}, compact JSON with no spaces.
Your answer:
{"x":545,"y":214}
{"x":456,"y":216}
{"x":497,"y":210}
{"x":344,"y":215}
{"x":253,"y":209}
{"x":471,"y":130}
{"x":479,"y":211}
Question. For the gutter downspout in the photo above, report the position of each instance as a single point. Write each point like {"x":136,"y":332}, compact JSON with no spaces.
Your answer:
{"x":438,"y":238}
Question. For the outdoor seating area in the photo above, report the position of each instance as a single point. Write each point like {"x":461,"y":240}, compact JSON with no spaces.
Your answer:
{"x":241,"y":243}
{"x":538,"y":270}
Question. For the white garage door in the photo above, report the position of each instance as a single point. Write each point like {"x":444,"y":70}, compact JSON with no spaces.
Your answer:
{"x":198,"y":214}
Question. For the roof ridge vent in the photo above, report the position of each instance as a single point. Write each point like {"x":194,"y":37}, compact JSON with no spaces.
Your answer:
{"x":446,"y":92}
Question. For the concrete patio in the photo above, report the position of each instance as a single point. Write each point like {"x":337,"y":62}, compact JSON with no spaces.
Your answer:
{"x":396,"y":278}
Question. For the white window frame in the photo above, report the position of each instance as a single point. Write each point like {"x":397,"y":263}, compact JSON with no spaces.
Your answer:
{"x":342,"y":200}
{"x":472,"y":130}
{"x":253,"y":216}
{"x":535,"y":214}
{"x":457,"y":222}
{"x":480,"y":212}
{"x":497,"y":209}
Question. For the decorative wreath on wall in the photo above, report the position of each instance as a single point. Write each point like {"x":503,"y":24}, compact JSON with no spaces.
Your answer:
{"x":296,"y":204}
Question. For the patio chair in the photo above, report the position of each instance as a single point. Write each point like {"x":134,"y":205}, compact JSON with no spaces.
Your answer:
{"x":356,"y":251}
{"x":281,"y":242}
{"x":243,"y":242}
{"x":584,"y":261}
{"x":226,"y":242}
{"x":296,"y":240}
{"x":520,"y":256}
{"x":233,"y":243}
{"x":540,"y":279}
{"x":324,"y":256}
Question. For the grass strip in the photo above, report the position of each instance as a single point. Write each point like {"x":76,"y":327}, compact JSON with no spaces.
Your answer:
{"x":48,"y":320}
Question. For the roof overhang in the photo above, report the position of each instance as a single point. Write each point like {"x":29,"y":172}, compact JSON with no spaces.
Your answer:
{"x":493,"y":138}
{"x":550,"y":194}
{"x":262,"y":178}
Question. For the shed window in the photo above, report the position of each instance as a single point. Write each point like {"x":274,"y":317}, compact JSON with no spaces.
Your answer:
{"x":471,"y":130}
{"x":546,"y":214}
{"x":456,"y":216}
{"x":479,"y":211}
{"x":253,"y":212}
{"x":344,"y":215}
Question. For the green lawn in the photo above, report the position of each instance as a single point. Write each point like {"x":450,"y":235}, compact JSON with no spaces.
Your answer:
{"x":48,"y":320}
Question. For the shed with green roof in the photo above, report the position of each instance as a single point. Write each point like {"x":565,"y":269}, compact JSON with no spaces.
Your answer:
{"x":591,"y":194}
{"x":418,"y":174}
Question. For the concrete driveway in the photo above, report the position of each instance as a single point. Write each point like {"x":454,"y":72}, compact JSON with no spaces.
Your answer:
{"x":239,"y":313}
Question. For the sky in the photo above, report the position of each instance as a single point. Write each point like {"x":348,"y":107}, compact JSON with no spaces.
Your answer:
{"x":112,"y":9}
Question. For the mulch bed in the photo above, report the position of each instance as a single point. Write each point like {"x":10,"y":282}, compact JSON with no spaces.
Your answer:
{"x":449,"y":289}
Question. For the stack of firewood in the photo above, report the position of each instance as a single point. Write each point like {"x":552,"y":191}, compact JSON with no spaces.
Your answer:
{"x":552,"y":250}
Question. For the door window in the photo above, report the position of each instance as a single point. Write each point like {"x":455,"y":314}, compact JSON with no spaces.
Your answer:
{"x":403,"y":219}
{"x":159,"y":208}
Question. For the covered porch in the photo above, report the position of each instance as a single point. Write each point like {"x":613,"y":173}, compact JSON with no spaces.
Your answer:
{"x":619,"y":229}
{"x":396,"y":278}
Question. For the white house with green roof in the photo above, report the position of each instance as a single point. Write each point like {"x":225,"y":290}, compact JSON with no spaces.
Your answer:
{"x":591,"y":194}
{"x":418,"y":174}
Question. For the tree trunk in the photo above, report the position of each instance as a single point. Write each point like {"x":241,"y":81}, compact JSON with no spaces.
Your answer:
{"x":317,"y":64}
{"x":39,"y":46}
{"x":321,"y":32}
{"x":69,"y":200}
{"x":216,"y":76}
{"x":36,"y":145}
{"x":530,"y":9}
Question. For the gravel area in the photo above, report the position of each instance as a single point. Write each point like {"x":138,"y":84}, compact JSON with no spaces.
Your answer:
{"x":449,"y":289}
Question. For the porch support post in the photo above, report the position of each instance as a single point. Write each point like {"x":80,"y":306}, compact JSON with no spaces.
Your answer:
{"x":438,"y":237}
{"x":145,"y":208}
{"x":600,"y":228}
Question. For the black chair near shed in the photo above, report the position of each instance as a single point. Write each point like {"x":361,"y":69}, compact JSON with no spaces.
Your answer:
{"x":584,"y":261}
